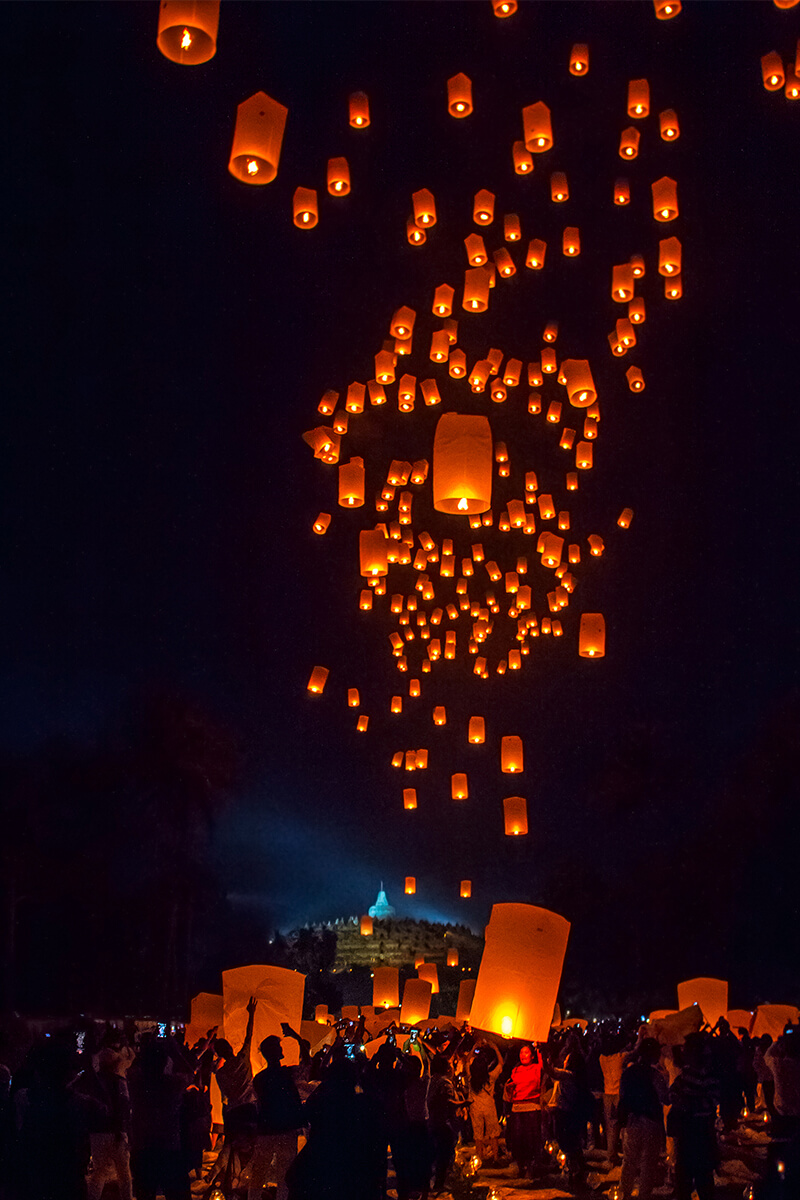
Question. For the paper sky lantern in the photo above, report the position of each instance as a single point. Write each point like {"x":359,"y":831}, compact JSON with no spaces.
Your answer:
{"x":476,"y":290}
{"x":635,"y":379}
{"x":579,"y":59}
{"x":622,"y":282}
{"x":411,"y":885}
{"x":666,"y":9}
{"x":409,"y":798}
{"x":280,"y":999}
{"x":359,"y":110}
{"x":321,"y":1014}
{"x":257,"y":139}
{"x":792,"y":90}
{"x":414,"y":235}
{"x":673,"y":287}
{"x":592,"y":636}
{"x":465,"y":890}
{"x":353,"y":698}
{"x":476,"y":250}
{"x":520,"y":972}
{"x":665,"y":199}
{"x":638,"y":98}
{"x":579,"y":382}
{"x":322,"y":522}
{"x":483,"y":207}
{"x":338,"y":177}
{"x":373,"y":553}
{"x":416,"y":1001}
{"x":773,"y":1018}
{"x":362,"y":724}
{"x":571,"y":241}
{"x":559,"y":188}
{"x":629,"y":143}
{"x":385,"y":987}
{"x":429,"y":973}
{"x":424,"y":207}
{"x":710,"y":994}
{"x":317,"y":681}
{"x":365,"y":927}
{"x":466,"y":992}
{"x":305,"y":212}
{"x":206,"y":1012}
{"x":584,"y":456}
{"x":622,"y":192}
{"x":537,"y":126}
{"x":504,"y":262}
{"x":511,"y":757}
{"x":772,"y":71}
{"x":535,"y":256}
{"x":462,"y":464}
{"x":523,"y":163}
{"x":669,"y":256}
{"x":668,"y":125}
{"x":351,"y":483}
{"x":452,"y":958}
{"x":459,"y":95}
{"x":637,"y":311}
{"x":625,"y":517}
{"x":515,"y":813}
{"x":459,"y":789}
{"x":512,"y":231}
{"x":187,"y":30}
{"x":739,"y":1018}
{"x":402,"y":322}
{"x":443,"y":300}
{"x":504,"y":8}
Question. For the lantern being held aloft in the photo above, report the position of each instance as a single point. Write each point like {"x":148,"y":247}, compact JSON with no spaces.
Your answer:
{"x":428,"y":972}
{"x":520,"y":972}
{"x":466,"y":991}
{"x":187,"y":30}
{"x":711,"y":996}
{"x":385,"y":987}
{"x":257,"y":139}
{"x":279,"y":993}
{"x":462,"y":464}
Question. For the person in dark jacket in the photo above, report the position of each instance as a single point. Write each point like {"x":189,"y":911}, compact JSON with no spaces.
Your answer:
{"x":691,"y":1122}
{"x":642,"y":1095}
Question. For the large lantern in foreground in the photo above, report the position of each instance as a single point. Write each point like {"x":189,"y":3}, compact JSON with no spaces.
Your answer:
{"x":520,"y":971}
{"x":462,"y":464}
{"x":280,"y":999}
{"x":710,"y":994}
{"x":416,"y":1001}
{"x":187,"y":30}
{"x":257,"y":139}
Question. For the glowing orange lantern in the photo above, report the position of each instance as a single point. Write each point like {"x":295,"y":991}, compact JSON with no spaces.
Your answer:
{"x":443,"y":300}
{"x":477,"y":730}
{"x":304,"y":208}
{"x":353,"y":697}
{"x":635,"y":379}
{"x":666,"y":9}
{"x":622,"y":192}
{"x":625,"y":517}
{"x":710,"y":995}
{"x":459,"y":95}
{"x":512,"y":231}
{"x":579,"y":382}
{"x":637,"y":311}
{"x":414,"y":235}
{"x":373,"y":548}
{"x":430,"y":392}
{"x":554,"y":412}
{"x":424,"y":208}
{"x":409,"y":797}
{"x":187,"y":30}
{"x":638,"y":98}
{"x":411,"y":885}
{"x":385,"y":987}
{"x":571,"y":241}
{"x":462,"y":464}
{"x":366,"y":926}
{"x":665,"y":199}
{"x":416,"y":1001}
{"x":673,"y":287}
{"x":440,"y":346}
{"x":317,"y":681}
{"x":792,"y":91}
{"x":629,"y":143}
{"x":668,"y":124}
{"x":559,"y":188}
{"x":338,"y":176}
{"x":257,"y":139}
{"x":322,"y":522}
{"x":465,"y":890}
{"x":596,"y":545}
{"x":476,"y":250}
{"x":359,"y":110}
{"x":523,"y":162}
{"x":452,"y":958}
{"x":625,"y":333}
{"x":537,"y":126}
{"x":458,"y":786}
{"x":280,"y":999}
{"x":476,"y":290}
{"x":466,"y":991}
{"x":592,"y":636}
{"x":362,"y":723}
{"x":504,"y":8}
{"x":440,"y":715}
{"x":772,"y":71}
{"x":504,"y":262}
{"x":351,"y":483}
{"x":515,"y":814}
{"x":579,"y":59}
{"x":511,"y":758}
{"x":584,"y":456}
{"x":483,"y":207}
{"x":402,"y":322}
{"x":535,"y":256}
{"x":669,"y":256}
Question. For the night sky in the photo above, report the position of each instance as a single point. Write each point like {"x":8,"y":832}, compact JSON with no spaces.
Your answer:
{"x":168,"y":334}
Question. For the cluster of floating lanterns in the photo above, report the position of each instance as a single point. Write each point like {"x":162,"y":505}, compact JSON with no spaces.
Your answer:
{"x":471,"y":591}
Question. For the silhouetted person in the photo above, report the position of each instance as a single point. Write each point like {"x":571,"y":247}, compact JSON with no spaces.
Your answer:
{"x":642,"y":1095}
{"x":443,"y":1106}
{"x":279,"y":1115}
{"x":573,"y":1107}
{"x":157,"y":1082}
{"x":694,"y":1096}
{"x":235,"y":1078}
{"x":110,"y":1137}
{"x":412,"y":1153}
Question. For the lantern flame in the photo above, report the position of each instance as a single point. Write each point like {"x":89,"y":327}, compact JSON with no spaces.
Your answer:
{"x":186,"y":40}
{"x":507,"y":1026}
{"x":462,"y":504}
{"x":252,"y":169}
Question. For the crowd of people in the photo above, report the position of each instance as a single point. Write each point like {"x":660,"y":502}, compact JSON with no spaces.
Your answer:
{"x":136,"y":1111}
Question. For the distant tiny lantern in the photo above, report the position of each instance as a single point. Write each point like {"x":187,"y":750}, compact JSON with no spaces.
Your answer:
{"x":579,"y":59}
{"x":638,"y":98}
{"x":537,"y":126}
{"x":366,"y":926}
{"x":424,"y":208}
{"x":673,"y":287}
{"x":629,"y":143}
{"x":515,"y":814}
{"x":483,"y":207}
{"x":440,"y":715}
{"x":584,"y":456}
{"x":338,"y":176}
{"x":637,"y":311}
{"x":459,"y":789}
{"x":669,"y":256}
{"x":359,"y":110}
{"x":452,"y":958}
{"x":411,"y":885}
{"x":459,"y":95}
{"x":772,"y":71}
{"x":317,"y":680}
{"x":504,"y":262}
{"x":362,"y":723}
{"x":511,"y":756}
{"x":665,"y":199}
{"x":792,"y":90}
{"x":465,"y":891}
{"x":571,"y":242}
{"x":257,"y":139}
{"x":521,"y":157}
{"x":504,"y":8}
{"x":592,"y":636}
{"x":637,"y":265}
{"x":622,"y":192}
{"x":668,"y":125}
{"x":304,"y":208}
{"x":666,"y":9}
{"x":187,"y":30}
{"x":409,"y":798}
